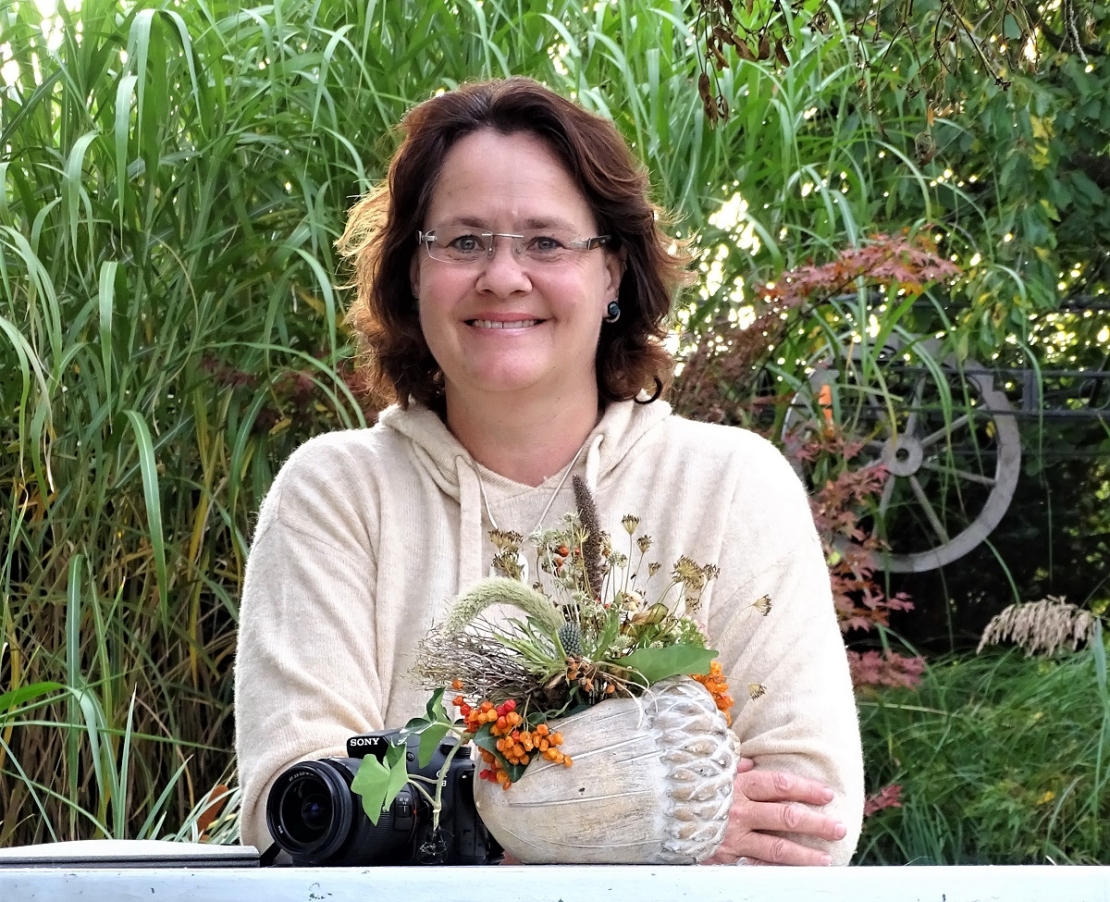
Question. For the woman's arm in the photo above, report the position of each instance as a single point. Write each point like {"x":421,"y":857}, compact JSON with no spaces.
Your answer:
{"x":306,"y":677}
{"x":802,"y":798}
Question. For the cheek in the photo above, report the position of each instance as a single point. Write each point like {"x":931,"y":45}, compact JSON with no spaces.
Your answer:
{"x":440,"y":288}
{"x":584,"y":293}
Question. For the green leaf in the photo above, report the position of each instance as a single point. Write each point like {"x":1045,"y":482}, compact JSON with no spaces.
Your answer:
{"x":655,"y":664}
{"x":484,"y":739}
{"x":434,"y":713}
{"x":434,"y":709}
{"x":429,"y":742}
{"x":378,"y":783}
{"x":416,"y":725}
{"x":23,"y":694}
{"x":397,"y":758}
{"x":1098,"y":649}
{"x":371,"y":783}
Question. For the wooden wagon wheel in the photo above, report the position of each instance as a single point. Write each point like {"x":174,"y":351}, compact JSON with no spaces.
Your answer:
{"x":945,"y":434}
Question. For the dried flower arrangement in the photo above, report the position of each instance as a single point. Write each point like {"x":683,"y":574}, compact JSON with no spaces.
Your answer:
{"x":520,"y":657}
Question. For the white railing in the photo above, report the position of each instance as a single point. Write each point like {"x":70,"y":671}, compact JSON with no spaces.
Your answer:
{"x":560,"y":884}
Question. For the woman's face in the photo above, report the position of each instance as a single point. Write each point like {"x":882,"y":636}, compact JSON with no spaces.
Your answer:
{"x":504,"y":325}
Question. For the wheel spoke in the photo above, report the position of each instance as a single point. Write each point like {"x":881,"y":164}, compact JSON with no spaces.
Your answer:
{"x":962,"y":474}
{"x":888,"y":492}
{"x":915,"y":405}
{"x":934,"y":437}
{"x":930,"y":514}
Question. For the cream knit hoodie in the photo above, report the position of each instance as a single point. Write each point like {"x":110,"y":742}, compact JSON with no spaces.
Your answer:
{"x":367,"y":535}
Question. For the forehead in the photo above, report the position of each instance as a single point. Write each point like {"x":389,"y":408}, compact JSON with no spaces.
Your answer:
{"x":507,"y":181}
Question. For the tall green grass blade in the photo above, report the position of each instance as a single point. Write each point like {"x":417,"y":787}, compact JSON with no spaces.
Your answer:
{"x":152,"y":496}
{"x":121,"y":812}
{"x":107,"y":297}
{"x":1098,"y":652}
{"x":74,"y":679}
{"x":15,"y":698}
{"x":151,"y":827}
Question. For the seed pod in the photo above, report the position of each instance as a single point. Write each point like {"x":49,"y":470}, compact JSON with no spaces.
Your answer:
{"x":780,"y":53}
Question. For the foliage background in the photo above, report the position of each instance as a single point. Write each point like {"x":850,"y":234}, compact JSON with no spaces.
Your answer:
{"x":172,"y":176}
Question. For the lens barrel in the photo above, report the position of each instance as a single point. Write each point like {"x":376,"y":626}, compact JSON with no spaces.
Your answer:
{"x":311,"y":811}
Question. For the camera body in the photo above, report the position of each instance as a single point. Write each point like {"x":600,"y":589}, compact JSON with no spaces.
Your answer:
{"x":317,"y":820}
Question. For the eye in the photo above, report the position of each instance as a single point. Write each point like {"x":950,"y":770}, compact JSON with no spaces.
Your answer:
{"x":545,"y":244}
{"x":467,"y":244}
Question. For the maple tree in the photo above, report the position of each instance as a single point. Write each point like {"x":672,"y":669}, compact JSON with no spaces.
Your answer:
{"x":725,"y":378}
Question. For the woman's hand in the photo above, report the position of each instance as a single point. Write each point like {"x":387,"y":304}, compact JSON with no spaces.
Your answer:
{"x":767,"y":801}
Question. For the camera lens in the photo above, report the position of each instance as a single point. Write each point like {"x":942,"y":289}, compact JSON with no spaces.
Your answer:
{"x":306,"y":813}
{"x":309,"y":810}
{"x":315,"y":813}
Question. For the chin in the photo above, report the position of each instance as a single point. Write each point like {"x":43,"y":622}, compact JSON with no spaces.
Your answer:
{"x":505,"y":380}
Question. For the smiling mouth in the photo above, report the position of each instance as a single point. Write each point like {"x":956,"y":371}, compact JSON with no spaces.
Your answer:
{"x":496,"y":324}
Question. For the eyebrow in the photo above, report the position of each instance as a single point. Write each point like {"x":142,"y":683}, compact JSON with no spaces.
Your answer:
{"x":528,"y":224}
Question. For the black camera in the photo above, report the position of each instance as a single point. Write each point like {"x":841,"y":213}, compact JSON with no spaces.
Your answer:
{"x":315,"y":817}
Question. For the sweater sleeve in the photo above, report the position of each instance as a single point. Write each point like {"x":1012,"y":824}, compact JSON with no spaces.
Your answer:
{"x":306,"y":677}
{"x":795,"y":708}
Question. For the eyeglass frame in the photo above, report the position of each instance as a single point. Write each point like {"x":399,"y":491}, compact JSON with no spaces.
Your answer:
{"x":582,"y":244}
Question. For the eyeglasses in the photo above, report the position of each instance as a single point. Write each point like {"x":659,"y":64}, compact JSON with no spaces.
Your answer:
{"x":461,"y":244}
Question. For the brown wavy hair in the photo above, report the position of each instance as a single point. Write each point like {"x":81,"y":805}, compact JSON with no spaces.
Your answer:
{"x":380,"y":238}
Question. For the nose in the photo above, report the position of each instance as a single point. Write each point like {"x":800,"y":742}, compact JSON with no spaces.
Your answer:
{"x":501,"y":272}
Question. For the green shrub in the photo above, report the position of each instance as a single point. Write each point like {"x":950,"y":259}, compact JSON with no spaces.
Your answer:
{"x":1001,"y":759}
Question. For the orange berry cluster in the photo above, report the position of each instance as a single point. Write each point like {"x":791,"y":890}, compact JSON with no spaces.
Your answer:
{"x":519,"y":746}
{"x":717,"y":686}
{"x":516,"y":740}
{"x":477,"y":716}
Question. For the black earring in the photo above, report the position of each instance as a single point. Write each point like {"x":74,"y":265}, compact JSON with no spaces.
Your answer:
{"x":613,"y":312}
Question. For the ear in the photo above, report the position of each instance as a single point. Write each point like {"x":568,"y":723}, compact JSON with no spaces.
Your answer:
{"x":615,"y":265}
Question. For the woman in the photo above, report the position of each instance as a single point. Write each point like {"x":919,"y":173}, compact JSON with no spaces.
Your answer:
{"x":512,"y":285}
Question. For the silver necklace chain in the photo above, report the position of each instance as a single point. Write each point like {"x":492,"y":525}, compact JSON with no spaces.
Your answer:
{"x":550,"y":501}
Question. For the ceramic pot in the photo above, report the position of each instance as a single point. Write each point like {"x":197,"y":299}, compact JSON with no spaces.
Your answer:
{"x":651,"y":783}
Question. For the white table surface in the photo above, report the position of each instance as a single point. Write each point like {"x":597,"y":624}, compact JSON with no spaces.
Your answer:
{"x":560,"y":884}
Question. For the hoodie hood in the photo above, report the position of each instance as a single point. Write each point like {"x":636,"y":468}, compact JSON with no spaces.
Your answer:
{"x":463,"y":479}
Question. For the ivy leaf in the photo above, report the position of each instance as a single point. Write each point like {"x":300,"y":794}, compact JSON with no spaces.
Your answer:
{"x":434,"y":709}
{"x":434,"y":714}
{"x":429,"y":742}
{"x":378,"y":782}
{"x":654,"y":664}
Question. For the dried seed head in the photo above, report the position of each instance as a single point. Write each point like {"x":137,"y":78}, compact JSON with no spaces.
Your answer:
{"x":686,"y":571}
{"x":1041,"y":627}
{"x":506,"y":540}
{"x":506,"y":563}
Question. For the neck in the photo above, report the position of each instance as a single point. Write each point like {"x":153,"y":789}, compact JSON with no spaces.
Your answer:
{"x":524,"y":441}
